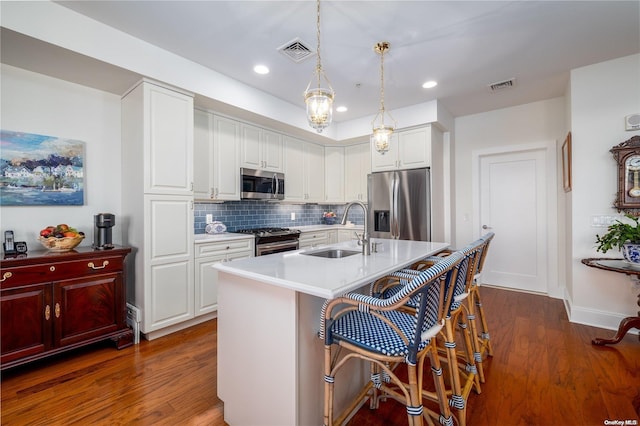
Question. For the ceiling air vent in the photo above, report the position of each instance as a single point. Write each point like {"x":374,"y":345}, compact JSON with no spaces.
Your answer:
{"x":502,"y":85}
{"x":296,"y":50}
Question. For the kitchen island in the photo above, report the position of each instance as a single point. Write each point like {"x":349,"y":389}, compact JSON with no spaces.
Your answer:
{"x":270,"y":360}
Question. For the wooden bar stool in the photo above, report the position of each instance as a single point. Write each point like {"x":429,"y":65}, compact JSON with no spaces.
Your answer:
{"x":482,"y":338}
{"x":463,"y":374}
{"x":387,"y":335}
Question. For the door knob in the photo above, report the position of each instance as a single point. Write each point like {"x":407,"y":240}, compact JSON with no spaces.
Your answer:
{"x":486,"y":227}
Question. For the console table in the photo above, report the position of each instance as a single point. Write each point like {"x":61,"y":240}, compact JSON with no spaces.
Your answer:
{"x":53,"y":302}
{"x":617,"y":265}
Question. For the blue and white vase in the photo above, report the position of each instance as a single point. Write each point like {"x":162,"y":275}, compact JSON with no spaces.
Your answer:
{"x":631,"y":252}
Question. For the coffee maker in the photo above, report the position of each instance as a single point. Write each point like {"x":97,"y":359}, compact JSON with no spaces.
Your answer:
{"x":102,"y":231}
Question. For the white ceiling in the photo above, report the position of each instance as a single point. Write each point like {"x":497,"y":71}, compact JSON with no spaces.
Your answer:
{"x":464,"y":45}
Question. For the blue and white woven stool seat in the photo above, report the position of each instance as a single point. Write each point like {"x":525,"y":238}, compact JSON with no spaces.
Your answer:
{"x":373,"y":334}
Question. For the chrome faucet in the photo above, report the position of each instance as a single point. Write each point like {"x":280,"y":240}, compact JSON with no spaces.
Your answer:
{"x":365,"y":241}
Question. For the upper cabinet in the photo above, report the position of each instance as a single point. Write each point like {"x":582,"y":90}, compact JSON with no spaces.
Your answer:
{"x":216,"y":157}
{"x":261,"y":149}
{"x":409,"y":149}
{"x":166,"y":129}
{"x":304,"y":171}
{"x":334,"y":182}
{"x":357,"y":167}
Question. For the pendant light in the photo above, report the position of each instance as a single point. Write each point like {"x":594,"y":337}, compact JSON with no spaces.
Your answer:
{"x":381,"y":135}
{"x":319,"y":100}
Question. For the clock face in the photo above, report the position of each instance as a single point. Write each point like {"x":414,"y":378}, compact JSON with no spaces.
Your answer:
{"x":633,"y":162}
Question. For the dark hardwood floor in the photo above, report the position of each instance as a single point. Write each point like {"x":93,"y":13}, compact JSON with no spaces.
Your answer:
{"x":544,"y":372}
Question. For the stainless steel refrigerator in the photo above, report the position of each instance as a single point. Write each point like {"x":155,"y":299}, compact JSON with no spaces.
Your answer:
{"x":400,"y":205}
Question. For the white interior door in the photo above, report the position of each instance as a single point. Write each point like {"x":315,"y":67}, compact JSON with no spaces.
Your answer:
{"x":512,"y":203}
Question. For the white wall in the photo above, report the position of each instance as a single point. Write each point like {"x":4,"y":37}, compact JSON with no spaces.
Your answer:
{"x":538,"y":122}
{"x":601,"y":96}
{"x":34,"y":103}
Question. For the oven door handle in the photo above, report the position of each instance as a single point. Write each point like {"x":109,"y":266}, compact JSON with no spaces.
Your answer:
{"x":278,"y":245}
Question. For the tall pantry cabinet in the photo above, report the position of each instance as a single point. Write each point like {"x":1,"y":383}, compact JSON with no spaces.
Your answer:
{"x":157,"y":203}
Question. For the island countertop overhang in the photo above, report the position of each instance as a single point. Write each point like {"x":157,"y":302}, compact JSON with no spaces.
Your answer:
{"x":331,"y":278}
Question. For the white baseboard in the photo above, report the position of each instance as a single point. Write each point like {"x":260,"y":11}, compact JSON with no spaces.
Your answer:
{"x":177,"y":327}
{"x":594,"y":317}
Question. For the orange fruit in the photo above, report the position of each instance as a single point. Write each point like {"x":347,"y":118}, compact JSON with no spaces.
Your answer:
{"x":69,"y":234}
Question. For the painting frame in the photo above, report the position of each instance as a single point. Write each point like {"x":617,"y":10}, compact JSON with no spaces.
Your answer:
{"x":566,"y":163}
{"x":41,"y":170}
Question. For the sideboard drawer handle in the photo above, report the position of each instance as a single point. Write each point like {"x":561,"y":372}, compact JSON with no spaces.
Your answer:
{"x":57,"y":310}
{"x":92,"y":266}
{"x":5,"y":276}
{"x":47,"y":312}
{"x":52,"y":268}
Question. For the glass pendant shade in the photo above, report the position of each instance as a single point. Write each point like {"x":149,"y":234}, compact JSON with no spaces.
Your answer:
{"x":319,"y":103}
{"x":381,"y":138}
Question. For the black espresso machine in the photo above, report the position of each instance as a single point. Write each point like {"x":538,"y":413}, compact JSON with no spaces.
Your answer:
{"x":102,"y":239}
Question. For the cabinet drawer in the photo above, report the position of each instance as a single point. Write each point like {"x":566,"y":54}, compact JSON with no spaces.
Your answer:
{"x":313,"y":238}
{"x":223,"y":247}
{"x":55,"y":271}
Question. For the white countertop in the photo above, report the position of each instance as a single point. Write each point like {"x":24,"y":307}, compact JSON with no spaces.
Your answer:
{"x":330,"y":278}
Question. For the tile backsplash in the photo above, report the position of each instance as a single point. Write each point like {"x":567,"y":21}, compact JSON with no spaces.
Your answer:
{"x":258,"y":214}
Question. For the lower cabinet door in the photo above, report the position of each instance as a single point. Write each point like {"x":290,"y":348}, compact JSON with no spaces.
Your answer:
{"x":171,"y":295}
{"x":26,"y":321}
{"x":87,"y":308}
{"x":206,"y":279}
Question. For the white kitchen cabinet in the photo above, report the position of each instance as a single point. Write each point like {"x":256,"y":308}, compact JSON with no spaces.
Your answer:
{"x":261,"y":149}
{"x":334,"y":177}
{"x":216,"y":158}
{"x":348,"y":234}
{"x":312,"y":239}
{"x":166,"y":142}
{"x":157,"y":202}
{"x":314,"y":172}
{"x":202,"y":155}
{"x":304,"y":171}
{"x":357,"y":162}
{"x":409,"y":149}
{"x":206,"y":277}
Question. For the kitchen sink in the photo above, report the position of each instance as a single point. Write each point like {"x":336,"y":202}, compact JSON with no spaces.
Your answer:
{"x":332,"y":253}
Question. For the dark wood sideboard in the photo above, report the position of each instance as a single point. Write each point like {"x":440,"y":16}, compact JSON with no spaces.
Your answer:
{"x":54,"y":302}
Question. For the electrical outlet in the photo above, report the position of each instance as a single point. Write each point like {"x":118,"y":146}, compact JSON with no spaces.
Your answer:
{"x":209,"y":219}
{"x":293,"y":215}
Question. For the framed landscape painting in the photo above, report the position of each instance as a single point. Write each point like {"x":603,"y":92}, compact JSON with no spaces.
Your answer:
{"x":38,"y":170}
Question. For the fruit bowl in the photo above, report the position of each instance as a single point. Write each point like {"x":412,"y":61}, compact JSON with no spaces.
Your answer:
{"x":61,"y":244}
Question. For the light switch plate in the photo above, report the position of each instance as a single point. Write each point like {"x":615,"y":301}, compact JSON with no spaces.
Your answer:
{"x":209,"y":218}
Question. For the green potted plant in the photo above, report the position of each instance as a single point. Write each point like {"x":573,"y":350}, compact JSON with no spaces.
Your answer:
{"x":624,"y":236}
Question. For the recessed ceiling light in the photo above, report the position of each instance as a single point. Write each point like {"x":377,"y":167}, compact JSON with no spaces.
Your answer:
{"x":261,"y":69}
{"x":430,"y":84}
{"x":341,"y":108}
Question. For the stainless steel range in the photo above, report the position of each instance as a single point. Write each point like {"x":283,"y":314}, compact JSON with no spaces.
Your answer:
{"x":274,"y":240}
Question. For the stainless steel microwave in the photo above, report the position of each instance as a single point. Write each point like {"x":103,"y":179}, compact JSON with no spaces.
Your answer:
{"x":261,"y":185}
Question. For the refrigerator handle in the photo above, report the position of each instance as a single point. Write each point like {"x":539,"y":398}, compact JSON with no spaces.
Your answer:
{"x":395,"y":226}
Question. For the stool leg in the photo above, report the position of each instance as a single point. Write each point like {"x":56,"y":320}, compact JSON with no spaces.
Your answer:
{"x":475,"y":338}
{"x":438,"y":380}
{"x":415,"y":396}
{"x":328,"y":388}
{"x":484,"y":333}
{"x":471,"y":367}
